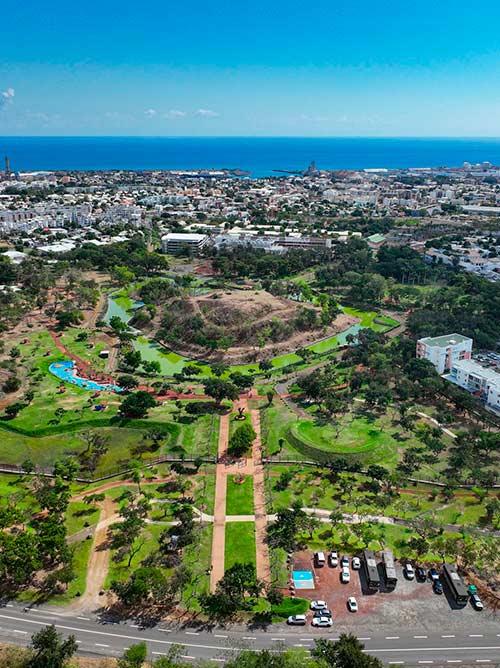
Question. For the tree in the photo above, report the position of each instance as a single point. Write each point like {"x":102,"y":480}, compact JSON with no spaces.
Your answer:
{"x":232,"y":590}
{"x":145,"y":585}
{"x":13,"y":409}
{"x":219,"y":368}
{"x":136,"y":405}
{"x":127,"y":382}
{"x":50,"y":649}
{"x":220,"y":389}
{"x":152,"y":368}
{"x":12,"y":384}
{"x":68,"y":318}
{"x":241,"y":440}
{"x":134,"y":656}
{"x":132,"y":359}
{"x":346,"y":652}
{"x":270,"y":397}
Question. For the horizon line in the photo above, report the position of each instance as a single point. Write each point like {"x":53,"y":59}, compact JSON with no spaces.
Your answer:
{"x":139,"y":136}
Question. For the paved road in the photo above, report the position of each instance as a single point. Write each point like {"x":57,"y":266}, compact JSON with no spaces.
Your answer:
{"x":100,"y":637}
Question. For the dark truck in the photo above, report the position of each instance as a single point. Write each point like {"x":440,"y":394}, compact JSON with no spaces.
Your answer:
{"x":391,"y":578}
{"x":455,"y":583}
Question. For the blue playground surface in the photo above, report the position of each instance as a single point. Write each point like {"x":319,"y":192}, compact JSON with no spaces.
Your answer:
{"x":303,"y":579}
{"x":66,"y":371}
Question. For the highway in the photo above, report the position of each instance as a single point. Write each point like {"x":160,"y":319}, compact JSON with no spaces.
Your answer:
{"x":97,"y":636}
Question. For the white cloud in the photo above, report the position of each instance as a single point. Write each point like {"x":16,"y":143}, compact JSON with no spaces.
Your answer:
{"x":207,"y":113}
{"x":7,"y":96}
{"x":150,"y":112}
{"x":175,"y":113}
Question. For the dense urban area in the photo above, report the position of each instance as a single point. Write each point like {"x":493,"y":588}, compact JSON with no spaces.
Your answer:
{"x":235,"y":406}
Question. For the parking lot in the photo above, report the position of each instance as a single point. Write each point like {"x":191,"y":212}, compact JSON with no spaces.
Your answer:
{"x":411,"y":604}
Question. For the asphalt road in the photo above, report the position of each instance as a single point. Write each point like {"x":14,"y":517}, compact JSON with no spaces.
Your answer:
{"x":100,"y":637}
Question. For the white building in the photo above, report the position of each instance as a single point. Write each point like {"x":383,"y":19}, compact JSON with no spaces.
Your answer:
{"x":444,"y":351}
{"x":481,"y":381}
{"x":174,"y":242}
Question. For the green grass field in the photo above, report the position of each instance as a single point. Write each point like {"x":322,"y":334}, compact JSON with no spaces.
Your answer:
{"x":240,"y":543}
{"x":239,"y":498}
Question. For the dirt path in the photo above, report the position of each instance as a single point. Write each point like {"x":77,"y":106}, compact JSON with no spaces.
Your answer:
{"x":97,"y":567}
{"x":259,"y":494}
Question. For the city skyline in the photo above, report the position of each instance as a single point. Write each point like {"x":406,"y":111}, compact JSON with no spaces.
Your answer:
{"x":261,"y":70}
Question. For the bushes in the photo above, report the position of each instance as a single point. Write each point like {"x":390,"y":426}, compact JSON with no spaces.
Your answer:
{"x":290,"y":606}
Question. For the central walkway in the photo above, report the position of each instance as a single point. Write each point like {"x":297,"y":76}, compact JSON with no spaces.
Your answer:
{"x":226,"y":466}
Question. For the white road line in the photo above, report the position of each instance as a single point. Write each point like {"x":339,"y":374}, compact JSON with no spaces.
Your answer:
{"x":364,"y":638}
{"x":166,"y":630}
{"x":191,"y":633}
{"x":476,"y":635}
{"x":17,"y":631}
{"x":396,"y":663}
{"x":420,"y":636}
{"x":187,"y":656}
{"x":306,"y":639}
{"x":135,"y":626}
{"x":159,"y":653}
{"x":218,"y":660}
{"x":218,"y":635}
{"x":447,"y":636}
{"x":426,"y":661}
{"x":483,"y":660}
{"x":9,"y":605}
{"x":454,"y":661}
{"x":85,"y":619}
{"x":249,"y":638}
{"x":100,"y":644}
{"x":392,"y":637}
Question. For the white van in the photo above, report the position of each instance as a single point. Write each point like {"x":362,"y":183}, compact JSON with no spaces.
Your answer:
{"x":319,"y":559}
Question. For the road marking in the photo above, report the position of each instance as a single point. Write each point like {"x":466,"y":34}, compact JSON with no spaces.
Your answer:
{"x":9,"y":605}
{"x":85,"y":619}
{"x":454,"y":661}
{"x":166,"y":630}
{"x":135,"y":626}
{"x":191,"y":633}
{"x":479,"y":648}
{"x":483,"y":660}
{"x":158,"y":653}
{"x":219,"y":660}
{"x":306,"y":639}
{"x":447,"y":636}
{"x":218,"y":635}
{"x":249,"y":638}
{"x":476,"y":635}
{"x":100,"y":644}
{"x":187,"y":656}
{"x":391,"y":638}
{"x":420,"y":636}
{"x":364,"y":638}
{"x":426,"y":661}
{"x":396,"y":663}
{"x":298,"y":645}
{"x":17,"y":631}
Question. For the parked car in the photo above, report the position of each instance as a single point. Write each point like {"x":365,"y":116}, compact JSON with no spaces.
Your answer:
{"x":409,"y":572}
{"x":356,"y":563}
{"x":344,"y":561}
{"x":318,"y":605}
{"x":433,"y":574}
{"x":333,"y":559}
{"x":297,"y":620}
{"x":322,"y":621}
{"x":420,"y":574}
{"x":319,"y":559}
{"x":437,"y":586}
{"x":345,"y":575}
{"x":322,"y":613}
{"x":477,"y":604}
{"x":352,"y":604}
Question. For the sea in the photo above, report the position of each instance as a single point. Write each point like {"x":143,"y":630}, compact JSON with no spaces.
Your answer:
{"x":261,"y":156}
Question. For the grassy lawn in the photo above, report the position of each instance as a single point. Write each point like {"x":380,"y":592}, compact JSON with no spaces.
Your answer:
{"x":149,"y":543}
{"x":204,"y":490}
{"x":275,"y":419}
{"x":239,"y":499}
{"x":240,"y":543}
{"x":78,"y":514}
{"x":234,"y":423}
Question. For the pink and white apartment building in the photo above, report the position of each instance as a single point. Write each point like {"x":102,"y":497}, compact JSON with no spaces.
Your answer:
{"x":444,"y":351}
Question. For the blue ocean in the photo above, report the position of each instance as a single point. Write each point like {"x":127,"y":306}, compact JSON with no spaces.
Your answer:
{"x":258,"y":155}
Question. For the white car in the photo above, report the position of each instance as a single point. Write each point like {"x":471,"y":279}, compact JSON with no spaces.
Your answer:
{"x":409,"y":572}
{"x":297,"y":620}
{"x":356,"y":563}
{"x":345,"y":576}
{"x":333,"y":559}
{"x":322,"y":621}
{"x":319,"y":605}
{"x":352,"y":604}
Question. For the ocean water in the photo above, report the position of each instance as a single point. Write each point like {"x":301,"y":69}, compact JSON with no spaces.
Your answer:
{"x":259,"y":155}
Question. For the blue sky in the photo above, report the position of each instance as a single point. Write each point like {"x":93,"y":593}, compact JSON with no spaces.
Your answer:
{"x":320,"y":68}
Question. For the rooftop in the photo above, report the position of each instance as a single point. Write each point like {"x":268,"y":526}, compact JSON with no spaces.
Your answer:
{"x":472,"y":367}
{"x":176,"y":236}
{"x":445,"y":340}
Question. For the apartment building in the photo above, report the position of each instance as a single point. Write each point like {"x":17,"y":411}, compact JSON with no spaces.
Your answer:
{"x":477,"y":379}
{"x":444,"y":351}
{"x":173,"y":242}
